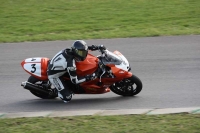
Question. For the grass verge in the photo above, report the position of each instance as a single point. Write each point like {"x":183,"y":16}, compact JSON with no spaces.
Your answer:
{"x":32,"y":20}
{"x":172,"y":123}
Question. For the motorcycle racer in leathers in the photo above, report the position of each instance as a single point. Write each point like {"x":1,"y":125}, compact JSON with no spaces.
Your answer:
{"x":64,"y":62}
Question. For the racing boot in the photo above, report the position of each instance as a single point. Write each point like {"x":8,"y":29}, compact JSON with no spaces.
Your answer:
{"x":65,"y":95}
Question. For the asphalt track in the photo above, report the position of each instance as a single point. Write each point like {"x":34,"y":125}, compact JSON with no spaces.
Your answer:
{"x":169,"y":68}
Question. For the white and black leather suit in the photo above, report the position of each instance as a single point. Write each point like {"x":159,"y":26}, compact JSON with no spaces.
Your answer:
{"x":60,"y":64}
{"x":64,"y":63}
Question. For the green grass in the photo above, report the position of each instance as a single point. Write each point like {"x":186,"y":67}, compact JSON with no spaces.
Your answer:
{"x":33,"y":20}
{"x":175,"y":123}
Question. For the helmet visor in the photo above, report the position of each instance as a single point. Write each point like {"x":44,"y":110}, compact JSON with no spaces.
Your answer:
{"x":82,"y":53}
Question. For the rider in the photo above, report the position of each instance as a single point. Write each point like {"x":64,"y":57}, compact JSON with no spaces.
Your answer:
{"x":64,"y":62}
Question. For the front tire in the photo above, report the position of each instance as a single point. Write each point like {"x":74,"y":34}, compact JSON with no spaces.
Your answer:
{"x":34,"y":80}
{"x":127,"y":87}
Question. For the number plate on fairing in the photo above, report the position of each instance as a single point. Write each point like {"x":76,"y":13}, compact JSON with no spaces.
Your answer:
{"x":36,"y":67}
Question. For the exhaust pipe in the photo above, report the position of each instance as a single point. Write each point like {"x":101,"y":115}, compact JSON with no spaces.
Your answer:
{"x":32,"y":87}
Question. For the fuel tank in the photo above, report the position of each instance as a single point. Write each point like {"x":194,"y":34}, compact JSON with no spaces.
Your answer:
{"x":88,"y":66}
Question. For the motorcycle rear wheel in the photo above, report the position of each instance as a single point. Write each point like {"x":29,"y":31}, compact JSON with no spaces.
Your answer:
{"x":127,"y":87}
{"x":33,"y":80}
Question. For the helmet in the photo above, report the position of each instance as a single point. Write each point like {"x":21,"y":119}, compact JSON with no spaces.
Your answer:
{"x":80,"y":50}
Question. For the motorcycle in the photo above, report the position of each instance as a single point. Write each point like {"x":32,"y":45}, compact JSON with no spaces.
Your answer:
{"x":112,"y":73}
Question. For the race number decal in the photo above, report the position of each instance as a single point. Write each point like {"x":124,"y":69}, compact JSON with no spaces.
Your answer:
{"x":34,"y":68}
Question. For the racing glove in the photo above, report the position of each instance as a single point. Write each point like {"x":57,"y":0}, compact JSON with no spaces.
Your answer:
{"x":94,"y":47}
{"x":102,"y":47}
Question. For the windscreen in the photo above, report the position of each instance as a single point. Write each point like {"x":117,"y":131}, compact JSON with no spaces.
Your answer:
{"x":111,"y":58}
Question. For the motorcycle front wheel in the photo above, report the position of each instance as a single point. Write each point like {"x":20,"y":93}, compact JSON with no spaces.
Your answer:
{"x":34,"y":80}
{"x":127,"y":87}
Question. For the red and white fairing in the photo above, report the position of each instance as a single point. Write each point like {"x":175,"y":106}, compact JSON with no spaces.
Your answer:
{"x":37,"y":67}
{"x":125,"y":65}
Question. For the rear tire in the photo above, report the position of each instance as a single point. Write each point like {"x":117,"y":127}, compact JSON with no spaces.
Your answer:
{"x":34,"y":80}
{"x":127,"y":87}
